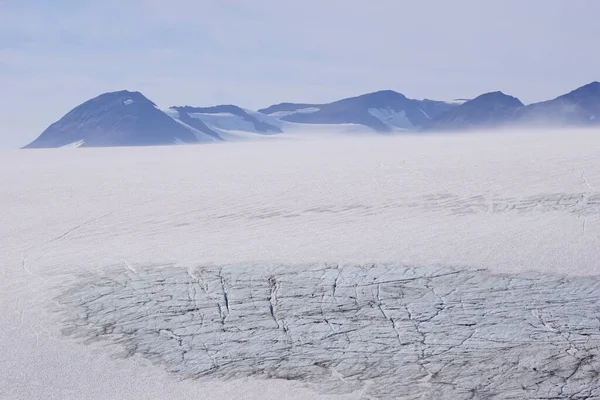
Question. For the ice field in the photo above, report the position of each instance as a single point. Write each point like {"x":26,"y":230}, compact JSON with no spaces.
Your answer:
{"x":433,"y":266}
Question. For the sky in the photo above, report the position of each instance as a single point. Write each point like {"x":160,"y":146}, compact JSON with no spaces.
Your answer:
{"x":56,"y":54}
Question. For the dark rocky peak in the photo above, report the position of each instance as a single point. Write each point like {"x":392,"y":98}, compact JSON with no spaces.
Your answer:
{"x":380,"y":99}
{"x":497,"y":98}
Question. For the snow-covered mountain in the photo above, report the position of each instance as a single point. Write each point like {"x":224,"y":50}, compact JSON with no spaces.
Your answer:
{"x":129,"y":119}
{"x":223,"y":119}
{"x":117,"y":119}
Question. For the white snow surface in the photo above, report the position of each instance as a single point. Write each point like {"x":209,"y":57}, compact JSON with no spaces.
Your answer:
{"x":427,"y":266}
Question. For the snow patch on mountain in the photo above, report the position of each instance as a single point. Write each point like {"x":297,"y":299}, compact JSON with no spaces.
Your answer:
{"x":456,"y":101}
{"x":171,"y":113}
{"x":425,"y":114}
{"x":309,"y":110}
{"x":76,"y":144}
{"x":391,"y":117}
{"x":201,"y":136}
{"x":267,"y":119}
{"x":224,"y":118}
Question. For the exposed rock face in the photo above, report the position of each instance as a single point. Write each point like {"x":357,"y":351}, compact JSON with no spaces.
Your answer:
{"x":386,"y":331}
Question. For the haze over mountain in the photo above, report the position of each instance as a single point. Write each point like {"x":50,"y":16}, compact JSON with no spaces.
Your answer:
{"x":127,"y":118}
{"x":488,"y":110}
{"x":580,"y":107}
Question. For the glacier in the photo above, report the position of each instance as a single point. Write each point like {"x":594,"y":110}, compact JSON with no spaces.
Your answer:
{"x":432,"y":266}
{"x":427,"y":332}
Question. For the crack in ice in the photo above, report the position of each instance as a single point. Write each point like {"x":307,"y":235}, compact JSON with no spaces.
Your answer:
{"x":386,"y":331}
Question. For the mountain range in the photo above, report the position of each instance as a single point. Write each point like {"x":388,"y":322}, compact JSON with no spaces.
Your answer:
{"x":127,"y":118}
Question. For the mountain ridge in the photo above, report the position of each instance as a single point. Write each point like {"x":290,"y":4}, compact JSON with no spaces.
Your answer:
{"x":128,"y":118}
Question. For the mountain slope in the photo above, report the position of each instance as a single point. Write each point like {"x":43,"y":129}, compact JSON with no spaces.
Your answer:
{"x":581,"y":107}
{"x":383,"y":111}
{"x":116,"y":119}
{"x":488,"y":110}
{"x":283,"y":109}
{"x":224,"y":118}
{"x":434,"y":108}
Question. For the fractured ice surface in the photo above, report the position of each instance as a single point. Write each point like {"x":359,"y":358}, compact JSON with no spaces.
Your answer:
{"x":576,"y":203}
{"x":381,"y":330}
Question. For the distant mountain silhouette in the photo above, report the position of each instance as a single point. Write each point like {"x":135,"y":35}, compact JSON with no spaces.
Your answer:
{"x":129,"y":119}
{"x":488,"y":110}
{"x":116,"y":119}
{"x":581,"y":107}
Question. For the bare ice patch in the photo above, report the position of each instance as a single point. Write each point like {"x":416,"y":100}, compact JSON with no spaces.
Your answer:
{"x":381,"y":330}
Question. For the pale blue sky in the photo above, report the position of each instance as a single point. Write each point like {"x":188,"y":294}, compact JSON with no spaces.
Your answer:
{"x":55,"y":54}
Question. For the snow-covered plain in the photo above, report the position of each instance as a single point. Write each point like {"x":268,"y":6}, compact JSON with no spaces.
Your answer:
{"x":456,"y":266}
